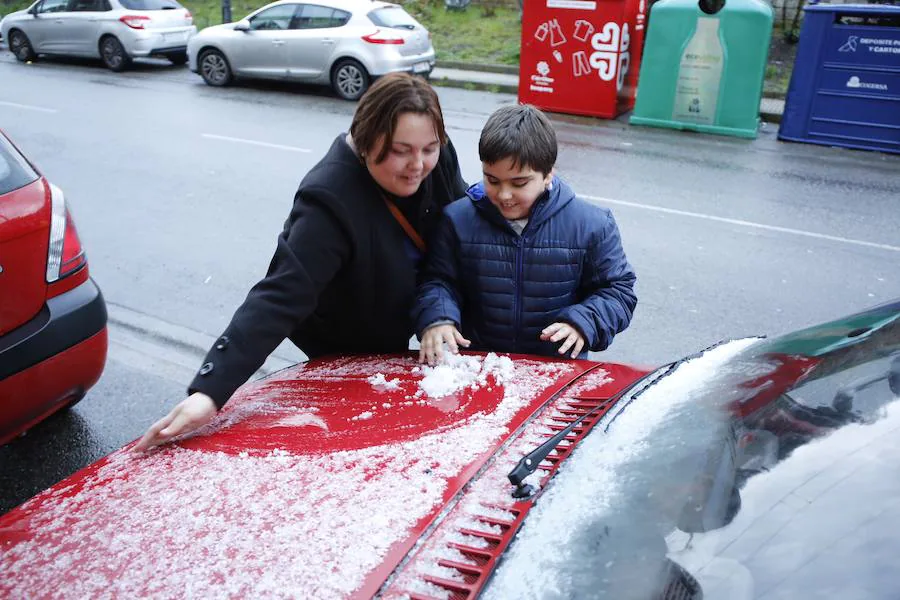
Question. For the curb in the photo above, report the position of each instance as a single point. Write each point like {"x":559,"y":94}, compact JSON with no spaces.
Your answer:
{"x":474,"y":85}
{"x":769,"y":117}
{"x":482,"y":68}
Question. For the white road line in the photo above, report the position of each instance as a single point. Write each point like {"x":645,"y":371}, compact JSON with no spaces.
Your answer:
{"x":225,"y":138}
{"x":28,"y":107}
{"x":800,"y":232}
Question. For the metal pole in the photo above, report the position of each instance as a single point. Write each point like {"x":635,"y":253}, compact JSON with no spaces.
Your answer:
{"x":226,"y":11}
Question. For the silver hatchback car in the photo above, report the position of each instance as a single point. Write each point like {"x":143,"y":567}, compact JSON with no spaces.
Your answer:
{"x":342,"y":42}
{"x":115,"y":31}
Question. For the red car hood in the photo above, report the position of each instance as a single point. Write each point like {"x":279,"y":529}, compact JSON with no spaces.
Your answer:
{"x":315,"y":482}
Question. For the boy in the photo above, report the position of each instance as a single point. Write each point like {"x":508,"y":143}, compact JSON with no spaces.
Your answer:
{"x":520,"y":264}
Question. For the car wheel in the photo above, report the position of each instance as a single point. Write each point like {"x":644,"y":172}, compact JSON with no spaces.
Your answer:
{"x":214,"y":68}
{"x":178,"y":58}
{"x":113,"y":54}
{"x":349,"y":79}
{"x":20,"y":46}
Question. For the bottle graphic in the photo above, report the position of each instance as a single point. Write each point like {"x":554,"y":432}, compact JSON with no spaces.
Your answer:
{"x":700,"y":75}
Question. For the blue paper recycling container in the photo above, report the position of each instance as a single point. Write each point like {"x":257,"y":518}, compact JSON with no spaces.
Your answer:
{"x":845,"y":87}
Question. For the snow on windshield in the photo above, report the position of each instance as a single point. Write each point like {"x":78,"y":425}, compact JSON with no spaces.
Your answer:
{"x":188,"y":523}
{"x":595,"y":532}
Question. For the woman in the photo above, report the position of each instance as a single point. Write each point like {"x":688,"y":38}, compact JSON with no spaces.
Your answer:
{"x":343,"y":277}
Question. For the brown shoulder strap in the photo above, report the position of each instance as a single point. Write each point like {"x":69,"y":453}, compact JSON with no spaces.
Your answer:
{"x":410,"y":231}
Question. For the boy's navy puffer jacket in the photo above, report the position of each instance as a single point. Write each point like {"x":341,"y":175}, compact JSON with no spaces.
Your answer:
{"x":501,"y":289}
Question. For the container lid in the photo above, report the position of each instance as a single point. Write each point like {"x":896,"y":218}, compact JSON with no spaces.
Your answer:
{"x":862,"y":9}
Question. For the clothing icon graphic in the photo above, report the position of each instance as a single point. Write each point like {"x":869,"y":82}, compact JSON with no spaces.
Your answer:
{"x":558,"y":56}
{"x":552,"y":29}
{"x":850,"y":44}
{"x":556,"y":35}
{"x":580,"y":64}
{"x":583,"y":30}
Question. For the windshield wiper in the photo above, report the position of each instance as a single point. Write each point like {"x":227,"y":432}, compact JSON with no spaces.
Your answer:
{"x":529,"y":463}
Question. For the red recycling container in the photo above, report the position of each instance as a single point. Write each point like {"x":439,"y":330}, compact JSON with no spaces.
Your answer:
{"x":581,"y":56}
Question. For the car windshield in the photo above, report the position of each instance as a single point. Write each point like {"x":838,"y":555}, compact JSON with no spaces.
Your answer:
{"x":150,"y":4}
{"x":754,"y":470}
{"x":392,"y":16}
{"x":15,"y":172}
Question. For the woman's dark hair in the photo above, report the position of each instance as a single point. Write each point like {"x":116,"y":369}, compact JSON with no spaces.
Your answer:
{"x":522,"y":133}
{"x":382,"y":105}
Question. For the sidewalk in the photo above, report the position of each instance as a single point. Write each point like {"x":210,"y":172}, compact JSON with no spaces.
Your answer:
{"x":505,"y":79}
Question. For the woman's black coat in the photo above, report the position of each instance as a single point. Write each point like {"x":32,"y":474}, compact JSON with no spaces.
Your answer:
{"x":342,"y":279}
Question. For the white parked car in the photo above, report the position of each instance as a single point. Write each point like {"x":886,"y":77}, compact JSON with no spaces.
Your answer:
{"x":344,"y":43}
{"x":115,"y":31}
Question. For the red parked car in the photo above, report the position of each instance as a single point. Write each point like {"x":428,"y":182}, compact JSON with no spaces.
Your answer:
{"x":52,"y":315}
{"x":756,"y":468}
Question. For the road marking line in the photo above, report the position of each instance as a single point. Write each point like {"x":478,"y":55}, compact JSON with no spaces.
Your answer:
{"x":28,"y":107}
{"x":225,"y":138}
{"x":800,"y":232}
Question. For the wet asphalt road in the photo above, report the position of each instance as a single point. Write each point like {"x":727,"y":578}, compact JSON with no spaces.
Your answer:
{"x":179,"y":191}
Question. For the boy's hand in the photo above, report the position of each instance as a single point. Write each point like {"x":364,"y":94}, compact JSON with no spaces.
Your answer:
{"x":564,"y":331}
{"x":433,"y":340}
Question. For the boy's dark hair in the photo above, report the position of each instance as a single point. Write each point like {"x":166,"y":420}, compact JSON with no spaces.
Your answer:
{"x":382,"y":105}
{"x":520,"y":132}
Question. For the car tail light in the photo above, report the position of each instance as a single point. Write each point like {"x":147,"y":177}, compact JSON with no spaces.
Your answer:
{"x":188,"y":17}
{"x":73,"y":254}
{"x":134,"y":21}
{"x":66,"y":255}
{"x":380,"y":37}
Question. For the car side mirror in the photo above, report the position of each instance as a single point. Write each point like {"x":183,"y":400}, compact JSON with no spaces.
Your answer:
{"x":242,"y":25}
{"x":34,"y":11}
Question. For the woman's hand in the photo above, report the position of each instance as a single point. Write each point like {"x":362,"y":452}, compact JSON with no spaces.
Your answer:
{"x":191,"y":413}
{"x":431,"y":350}
{"x":564,"y":331}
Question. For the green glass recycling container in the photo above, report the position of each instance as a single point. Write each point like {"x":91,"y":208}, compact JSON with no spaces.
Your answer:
{"x":704,"y":66}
